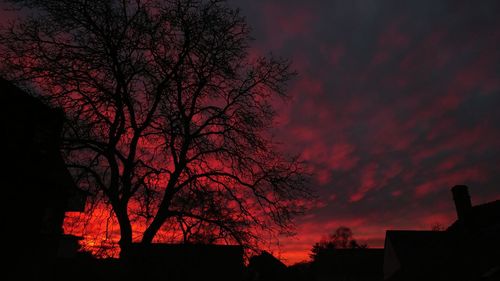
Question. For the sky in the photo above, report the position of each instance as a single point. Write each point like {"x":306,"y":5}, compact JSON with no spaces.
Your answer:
{"x":395,"y":102}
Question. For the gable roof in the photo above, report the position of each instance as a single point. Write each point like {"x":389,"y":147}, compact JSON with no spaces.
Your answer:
{"x":266,"y":260}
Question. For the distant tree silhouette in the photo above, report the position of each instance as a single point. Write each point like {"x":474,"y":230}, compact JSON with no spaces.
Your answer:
{"x":437,"y":227}
{"x":342,"y":238}
{"x":168,"y":116}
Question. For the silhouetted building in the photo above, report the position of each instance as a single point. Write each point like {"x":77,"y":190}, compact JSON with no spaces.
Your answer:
{"x":185,"y":262}
{"x":357,"y":264}
{"x":415,"y":252}
{"x":300,"y":272}
{"x":155,"y":262}
{"x":35,"y":181}
{"x":266,"y":267}
{"x":468,"y":250}
{"x":481,"y":219}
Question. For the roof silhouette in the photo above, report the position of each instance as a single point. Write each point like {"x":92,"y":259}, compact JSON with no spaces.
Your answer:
{"x":467,"y":250}
{"x":185,"y":261}
{"x":480,"y":217}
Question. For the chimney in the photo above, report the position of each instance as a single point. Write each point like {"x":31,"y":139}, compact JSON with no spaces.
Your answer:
{"x":462,"y":200}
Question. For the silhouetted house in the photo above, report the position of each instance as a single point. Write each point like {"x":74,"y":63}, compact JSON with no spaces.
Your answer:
{"x":349,"y":264}
{"x":468,"y":250}
{"x":415,"y":253}
{"x":266,"y":267}
{"x":300,"y":272}
{"x":35,"y":182}
{"x":185,"y":262}
{"x":481,"y":219}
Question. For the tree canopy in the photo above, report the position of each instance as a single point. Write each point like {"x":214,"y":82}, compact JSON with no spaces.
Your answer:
{"x":168,"y":117}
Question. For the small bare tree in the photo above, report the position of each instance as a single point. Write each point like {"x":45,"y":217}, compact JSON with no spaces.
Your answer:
{"x":168,"y":117}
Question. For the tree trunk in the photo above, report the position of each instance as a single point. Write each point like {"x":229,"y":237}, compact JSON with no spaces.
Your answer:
{"x":162,"y":213}
{"x":125,"y":231}
{"x":152,"y":229}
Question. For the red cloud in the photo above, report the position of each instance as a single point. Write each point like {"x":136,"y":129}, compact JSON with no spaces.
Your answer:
{"x":466,"y":175}
{"x":368,"y":182}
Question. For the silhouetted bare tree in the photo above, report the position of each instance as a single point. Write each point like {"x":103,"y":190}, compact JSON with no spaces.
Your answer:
{"x":342,"y":238}
{"x":168,"y":117}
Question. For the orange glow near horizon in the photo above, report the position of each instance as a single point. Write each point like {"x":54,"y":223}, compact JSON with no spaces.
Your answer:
{"x":100,"y":234}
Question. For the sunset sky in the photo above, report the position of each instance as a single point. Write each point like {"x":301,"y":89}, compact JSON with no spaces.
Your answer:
{"x":395,"y":102}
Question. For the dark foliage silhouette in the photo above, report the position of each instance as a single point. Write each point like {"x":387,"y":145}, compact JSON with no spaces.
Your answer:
{"x":341,"y":257}
{"x":342,"y":238}
{"x":168,"y":116}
